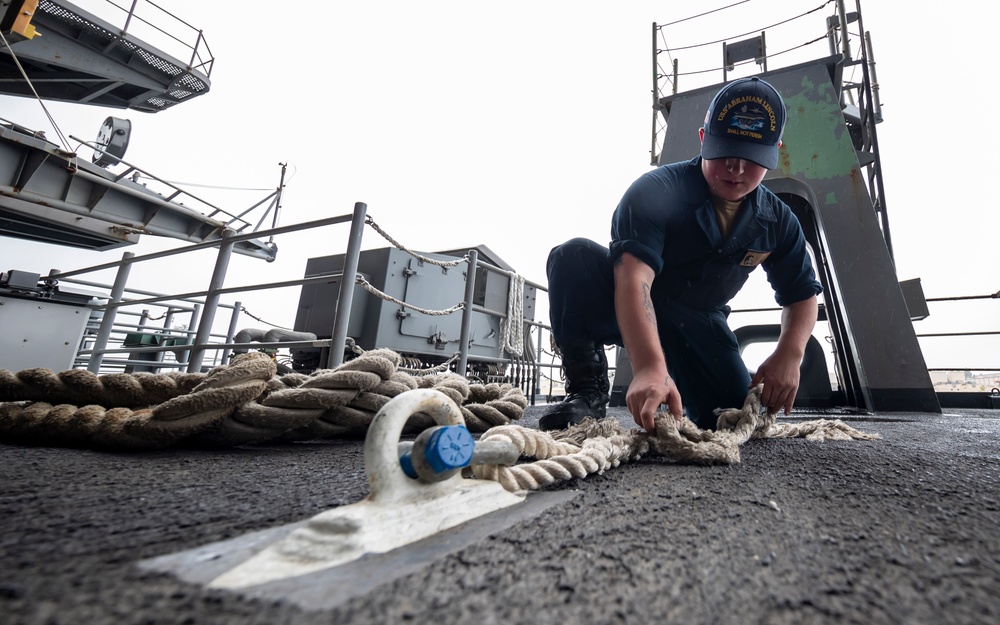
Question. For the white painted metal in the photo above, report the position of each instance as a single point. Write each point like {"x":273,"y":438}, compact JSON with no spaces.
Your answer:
{"x":398,"y":511}
{"x":37,"y":332}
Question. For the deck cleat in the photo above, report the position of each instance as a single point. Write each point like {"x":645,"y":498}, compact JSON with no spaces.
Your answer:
{"x":399,"y":509}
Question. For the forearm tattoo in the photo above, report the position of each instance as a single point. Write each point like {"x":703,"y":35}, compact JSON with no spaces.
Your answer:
{"x":647,"y":304}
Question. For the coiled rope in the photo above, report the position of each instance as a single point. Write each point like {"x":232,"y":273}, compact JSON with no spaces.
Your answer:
{"x":512,"y":326}
{"x":241,"y":403}
{"x":245,"y":403}
{"x":595,"y":446}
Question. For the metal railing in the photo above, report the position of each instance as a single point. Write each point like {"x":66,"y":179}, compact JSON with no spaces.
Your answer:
{"x":154,"y":22}
{"x":166,"y":336}
{"x":203,"y":304}
{"x":123,"y":312}
{"x":933,"y":335}
{"x":127,"y":312}
{"x":964,"y":298}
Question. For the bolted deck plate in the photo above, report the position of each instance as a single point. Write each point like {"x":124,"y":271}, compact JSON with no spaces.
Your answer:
{"x":328,"y":587}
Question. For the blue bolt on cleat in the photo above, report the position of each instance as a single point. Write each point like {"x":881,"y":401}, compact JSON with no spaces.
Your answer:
{"x":450,"y":447}
{"x":438,"y":453}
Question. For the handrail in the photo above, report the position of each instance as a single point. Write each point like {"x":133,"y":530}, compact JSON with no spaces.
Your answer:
{"x":205,"y":62}
{"x":201,"y":326}
{"x":193,"y":344}
{"x":969,"y":333}
{"x":236,"y":289}
{"x":260,"y":234}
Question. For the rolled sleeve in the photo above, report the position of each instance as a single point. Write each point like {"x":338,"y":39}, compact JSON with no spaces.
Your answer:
{"x":639,"y":223}
{"x":790,"y":271}
{"x":639,"y":250}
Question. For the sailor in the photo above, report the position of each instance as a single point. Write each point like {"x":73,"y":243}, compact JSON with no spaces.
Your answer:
{"x":684,"y":239}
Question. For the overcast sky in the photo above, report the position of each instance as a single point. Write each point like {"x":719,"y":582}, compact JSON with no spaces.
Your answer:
{"x":519,"y":125}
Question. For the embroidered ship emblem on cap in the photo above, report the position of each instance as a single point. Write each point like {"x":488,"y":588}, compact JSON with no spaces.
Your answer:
{"x":748,"y":119}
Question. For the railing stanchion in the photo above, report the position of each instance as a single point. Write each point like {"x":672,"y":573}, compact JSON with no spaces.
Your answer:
{"x":470,"y":291}
{"x":537,"y":377}
{"x":108,"y":320}
{"x":342,"y":308}
{"x":218,"y":281}
{"x":233,"y":322}
{"x":184,"y":354}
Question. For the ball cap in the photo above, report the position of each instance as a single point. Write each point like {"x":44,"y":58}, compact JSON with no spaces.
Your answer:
{"x":745,"y":121}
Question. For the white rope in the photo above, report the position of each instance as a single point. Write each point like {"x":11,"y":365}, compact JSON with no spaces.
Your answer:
{"x":440,"y":263}
{"x":441,"y":368}
{"x":595,"y":446}
{"x":435,"y":313}
{"x":415,"y":371}
{"x":512,"y":326}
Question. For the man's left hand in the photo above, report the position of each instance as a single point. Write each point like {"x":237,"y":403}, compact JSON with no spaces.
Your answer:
{"x":780,"y":375}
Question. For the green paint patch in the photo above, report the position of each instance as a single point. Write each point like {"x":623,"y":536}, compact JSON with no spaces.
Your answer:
{"x":816,"y":142}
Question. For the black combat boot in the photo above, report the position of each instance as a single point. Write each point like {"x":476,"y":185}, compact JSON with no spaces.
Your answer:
{"x":586,"y":389}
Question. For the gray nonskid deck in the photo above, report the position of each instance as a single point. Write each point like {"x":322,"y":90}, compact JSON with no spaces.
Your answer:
{"x":898,"y":530}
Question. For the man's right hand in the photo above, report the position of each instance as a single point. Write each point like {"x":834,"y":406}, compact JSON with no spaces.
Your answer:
{"x":645,"y":395}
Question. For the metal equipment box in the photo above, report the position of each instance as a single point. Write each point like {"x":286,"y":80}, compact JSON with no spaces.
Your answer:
{"x":40,"y":333}
{"x":377,"y":323}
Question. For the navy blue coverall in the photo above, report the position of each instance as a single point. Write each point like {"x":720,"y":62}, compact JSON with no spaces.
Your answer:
{"x":667,"y":220}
